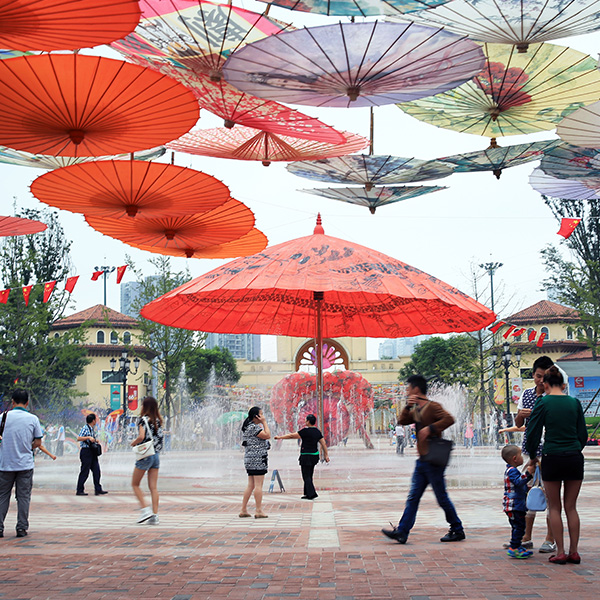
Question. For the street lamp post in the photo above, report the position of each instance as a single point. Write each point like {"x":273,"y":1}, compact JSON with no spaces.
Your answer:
{"x":506,"y":362}
{"x":106,"y":270}
{"x":125,"y":369}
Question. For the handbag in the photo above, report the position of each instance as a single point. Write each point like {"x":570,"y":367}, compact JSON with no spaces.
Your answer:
{"x":145,"y":449}
{"x":439,"y":451}
{"x":96,"y":448}
{"x":536,"y":499}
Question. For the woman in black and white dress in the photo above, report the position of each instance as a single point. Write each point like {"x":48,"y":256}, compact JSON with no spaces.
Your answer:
{"x":255,"y":433}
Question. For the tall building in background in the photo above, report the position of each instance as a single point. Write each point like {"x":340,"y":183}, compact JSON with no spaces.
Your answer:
{"x":241,"y":345}
{"x":400,"y":346}
{"x":130,"y":292}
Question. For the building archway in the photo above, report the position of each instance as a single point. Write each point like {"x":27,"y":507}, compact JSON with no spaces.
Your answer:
{"x":333,"y":354}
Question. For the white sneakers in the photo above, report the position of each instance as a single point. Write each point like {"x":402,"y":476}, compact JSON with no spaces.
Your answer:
{"x":145,"y":514}
{"x":153,"y":520}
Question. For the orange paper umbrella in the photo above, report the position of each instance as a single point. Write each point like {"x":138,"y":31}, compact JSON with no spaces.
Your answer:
{"x":65,"y":24}
{"x":18,"y":226}
{"x":116,"y":188}
{"x":251,"y":243}
{"x":223,"y":224}
{"x":75,"y":105}
{"x":245,"y":143}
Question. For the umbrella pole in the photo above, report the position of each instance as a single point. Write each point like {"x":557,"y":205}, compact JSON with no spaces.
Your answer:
{"x":318,"y":298}
{"x":371,"y":130}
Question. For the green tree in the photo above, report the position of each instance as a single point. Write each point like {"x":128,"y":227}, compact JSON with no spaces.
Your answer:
{"x":199,"y":363}
{"x":31,"y":355}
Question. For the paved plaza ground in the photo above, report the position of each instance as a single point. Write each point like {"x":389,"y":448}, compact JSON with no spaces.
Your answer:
{"x":90,"y":548}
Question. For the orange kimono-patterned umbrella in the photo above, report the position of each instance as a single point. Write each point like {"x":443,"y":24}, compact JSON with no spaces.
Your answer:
{"x":251,"y":243}
{"x":75,"y":105}
{"x":245,"y":143}
{"x":228,"y":222}
{"x":47,"y":25}
{"x":117,"y":188}
{"x":19,"y":226}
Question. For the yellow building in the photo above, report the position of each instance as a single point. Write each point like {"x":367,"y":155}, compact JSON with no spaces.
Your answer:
{"x":107,"y":335}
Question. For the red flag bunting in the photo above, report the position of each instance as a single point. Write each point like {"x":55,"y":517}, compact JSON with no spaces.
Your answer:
{"x":531,"y":335}
{"x":541,"y":340}
{"x":70,"y":285}
{"x":567,"y":227}
{"x":96,"y":275}
{"x":509,"y":330}
{"x":26,"y":293}
{"x":4,"y":296}
{"x":120,"y":273}
{"x":519,"y":332}
{"x":494,"y":328}
{"x":48,"y":288}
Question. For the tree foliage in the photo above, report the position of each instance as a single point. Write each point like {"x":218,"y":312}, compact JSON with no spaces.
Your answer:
{"x":199,"y":363}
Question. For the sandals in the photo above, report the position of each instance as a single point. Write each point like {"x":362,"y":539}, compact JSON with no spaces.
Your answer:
{"x":558,"y":559}
{"x":574,"y":558}
{"x":244,"y":514}
{"x":261,"y":516}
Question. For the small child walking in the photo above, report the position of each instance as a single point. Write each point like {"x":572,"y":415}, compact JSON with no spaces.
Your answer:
{"x":514,"y":502}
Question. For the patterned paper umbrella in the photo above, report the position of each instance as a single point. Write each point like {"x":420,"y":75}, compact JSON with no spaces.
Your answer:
{"x":128,"y":188}
{"x":47,"y":25}
{"x":495,"y":158}
{"x":515,"y":21}
{"x":370,"y":170}
{"x":226,"y":223}
{"x":375,"y":197}
{"x":515,"y":93}
{"x":252,"y":242}
{"x":17,"y":226}
{"x":571,"y":162}
{"x":76,"y":105}
{"x":567,"y":189}
{"x":354,"y":64}
{"x":41,"y":161}
{"x":244,"y":143}
{"x":582,"y":127}
{"x":357,"y":8}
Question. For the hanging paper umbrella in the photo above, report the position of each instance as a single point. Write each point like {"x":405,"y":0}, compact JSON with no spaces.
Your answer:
{"x":47,"y":25}
{"x":582,"y":127}
{"x":357,"y":8}
{"x":354,"y":64}
{"x":41,"y":161}
{"x":567,"y":189}
{"x":515,"y":93}
{"x":323,"y":287}
{"x":231,"y":417}
{"x":115,"y":413}
{"x":571,"y":162}
{"x":495,"y":158}
{"x":252,"y":242}
{"x":76,"y":105}
{"x":115,"y":189}
{"x":370,"y":170}
{"x":517,"y":23}
{"x":17,"y":226}
{"x":226,"y":223}
{"x":375,"y":197}
{"x":245,"y":143}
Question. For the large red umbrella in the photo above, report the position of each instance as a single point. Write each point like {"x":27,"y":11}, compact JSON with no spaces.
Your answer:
{"x":323,"y":286}
{"x":19,"y":226}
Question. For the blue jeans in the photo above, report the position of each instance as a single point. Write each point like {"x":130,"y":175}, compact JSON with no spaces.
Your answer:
{"x":423,"y":475}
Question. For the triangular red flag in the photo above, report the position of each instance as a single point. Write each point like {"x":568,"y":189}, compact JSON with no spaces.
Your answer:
{"x":4,"y":296}
{"x":567,"y":226}
{"x":509,"y":330}
{"x":531,"y":335}
{"x":96,"y":275}
{"x":494,"y":328}
{"x":120,"y":273}
{"x":70,"y":285}
{"x":541,"y":340}
{"x":48,"y":288}
{"x":26,"y":293}
{"x":165,"y":385}
{"x":519,"y":332}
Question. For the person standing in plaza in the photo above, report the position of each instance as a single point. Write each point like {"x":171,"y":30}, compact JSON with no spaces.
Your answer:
{"x":400,"y":438}
{"x":88,"y":458}
{"x":60,"y":441}
{"x":430,"y":419}
{"x":22,"y":434}
{"x":311,"y":438}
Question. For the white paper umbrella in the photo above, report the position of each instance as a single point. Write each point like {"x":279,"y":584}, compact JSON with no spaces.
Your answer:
{"x":582,"y":127}
{"x":571,"y":162}
{"x":567,"y":189}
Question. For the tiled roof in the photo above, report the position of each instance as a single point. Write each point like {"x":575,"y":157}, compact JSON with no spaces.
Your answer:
{"x":581,"y":355}
{"x":97,"y":315}
{"x":544,"y":311}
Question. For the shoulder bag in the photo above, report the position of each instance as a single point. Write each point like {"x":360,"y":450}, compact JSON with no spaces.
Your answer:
{"x":145,"y":449}
{"x":439,"y":449}
{"x":96,"y":448}
{"x":536,"y":499}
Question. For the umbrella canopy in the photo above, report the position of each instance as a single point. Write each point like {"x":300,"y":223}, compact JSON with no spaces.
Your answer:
{"x":582,"y":127}
{"x":245,"y":143}
{"x":515,"y":22}
{"x":41,"y":161}
{"x":250,"y":243}
{"x":47,"y":25}
{"x":515,"y":93}
{"x":375,"y":197}
{"x":76,"y":105}
{"x":495,"y":158}
{"x":226,"y":223}
{"x":357,"y":8}
{"x":571,"y":162}
{"x":127,"y":188}
{"x":567,"y":189}
{"x":17,"y":226}
{"x":354,"y":64}
{"x":370,"y":170}
{"x":234,"y":416}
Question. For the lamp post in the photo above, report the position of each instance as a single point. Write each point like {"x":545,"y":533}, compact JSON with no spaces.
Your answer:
{"x":106,"y":271}
{"x":125,"y":369}
{"x":506,"y":362}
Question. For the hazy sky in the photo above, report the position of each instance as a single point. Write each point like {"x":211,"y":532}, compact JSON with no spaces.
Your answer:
{"x":476,"y":220}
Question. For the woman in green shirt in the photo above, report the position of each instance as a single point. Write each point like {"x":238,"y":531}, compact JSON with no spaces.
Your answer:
{"x":562,"y":419}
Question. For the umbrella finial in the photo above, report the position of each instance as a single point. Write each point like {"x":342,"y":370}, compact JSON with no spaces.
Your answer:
{"x":319,"y":227}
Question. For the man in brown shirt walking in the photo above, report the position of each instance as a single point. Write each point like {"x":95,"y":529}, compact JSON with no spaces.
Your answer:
{"x":430,"y":419}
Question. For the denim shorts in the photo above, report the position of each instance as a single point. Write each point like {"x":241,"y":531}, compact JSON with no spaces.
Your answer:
{"x":150,"y":462}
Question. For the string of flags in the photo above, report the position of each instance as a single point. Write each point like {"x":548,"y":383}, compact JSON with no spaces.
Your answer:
{"x":513,"y":331}
{"x":50,"y":285}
